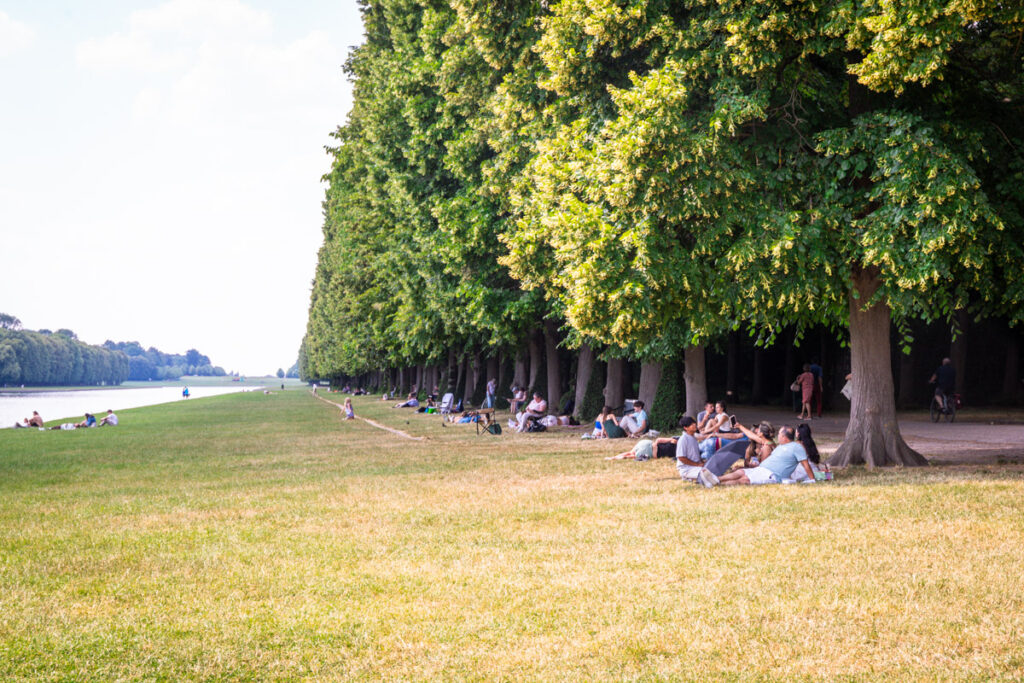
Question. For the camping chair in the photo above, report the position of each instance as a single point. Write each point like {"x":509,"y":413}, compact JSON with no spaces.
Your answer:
{"x":446,"y":404}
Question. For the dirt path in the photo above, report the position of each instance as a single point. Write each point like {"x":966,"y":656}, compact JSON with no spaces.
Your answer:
{"x":371,"y":422}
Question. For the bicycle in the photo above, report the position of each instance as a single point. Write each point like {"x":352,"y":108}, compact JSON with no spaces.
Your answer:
{"x":947,"y":409}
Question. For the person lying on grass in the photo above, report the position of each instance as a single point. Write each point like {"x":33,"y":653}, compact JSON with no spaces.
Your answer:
{"x":411,"y":402}
{"x":786,"y":457}
{"x":642,"y":450}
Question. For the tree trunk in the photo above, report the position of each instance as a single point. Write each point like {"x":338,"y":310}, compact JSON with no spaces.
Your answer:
{"x":958,"y":350}
{"x":650,"y":378}
{"x":613,"y":396}
{"x":554,"y":369}
{"x":460,"y":373}
{"x":535,"y":360}
{"x":472,"y":372}
{"x":873,"y":434}
{"x":732,"y":357}
{"x":584,"y":368}
{"x":420,"y":371}
{"x":450,"y":373}
{"x":695,"y":376}
{"x":520,"y":373}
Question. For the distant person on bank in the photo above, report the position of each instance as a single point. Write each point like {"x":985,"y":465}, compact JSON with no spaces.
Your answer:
{"x":110,"y":419}
{"x":34,"y":421}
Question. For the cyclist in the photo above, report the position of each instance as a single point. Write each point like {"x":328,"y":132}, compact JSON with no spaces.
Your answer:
{"x":944,"y":379}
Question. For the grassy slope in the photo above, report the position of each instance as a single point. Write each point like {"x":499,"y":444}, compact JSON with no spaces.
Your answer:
{"x":248,"y":537}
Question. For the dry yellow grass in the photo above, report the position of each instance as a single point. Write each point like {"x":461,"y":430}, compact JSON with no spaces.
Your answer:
{"x":263,"y":538}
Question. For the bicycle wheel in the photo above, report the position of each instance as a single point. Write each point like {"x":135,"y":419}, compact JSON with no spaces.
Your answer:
{"x":934,"y":414}
{"x":950,"y":410}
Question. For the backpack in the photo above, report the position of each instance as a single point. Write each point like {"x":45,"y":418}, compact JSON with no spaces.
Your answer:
{"x":535,"y":426}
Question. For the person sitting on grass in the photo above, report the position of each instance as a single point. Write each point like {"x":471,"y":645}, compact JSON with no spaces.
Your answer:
{"x":757,"y":445}
{"x":688,"y":462}
{"x":537,"y":408}
{"x":705,"y":415}
{"x":89,"y":421}
{"x":786,"y":457}
{"x":599,"y":433}
{"x":34,"y":421}
{"x":350,"y":412}
{"x":803,"y":435}
{"x":635,"y":423}
{"x":110,"y":419}
{"x":410,"y":402}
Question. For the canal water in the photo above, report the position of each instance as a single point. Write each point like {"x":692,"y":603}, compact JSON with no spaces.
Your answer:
{"x":72,"y":405}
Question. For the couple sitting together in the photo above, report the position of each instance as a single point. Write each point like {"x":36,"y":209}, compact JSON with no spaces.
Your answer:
{"x":607,"y":426}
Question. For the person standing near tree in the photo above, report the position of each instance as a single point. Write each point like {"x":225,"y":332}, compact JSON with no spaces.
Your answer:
{"x":806,"y":382}
{"x":492,"y":389}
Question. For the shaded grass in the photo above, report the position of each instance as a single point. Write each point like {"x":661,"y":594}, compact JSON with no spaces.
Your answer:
{"x":253,"y":537}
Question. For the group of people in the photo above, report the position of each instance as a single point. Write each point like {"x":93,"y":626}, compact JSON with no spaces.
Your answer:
{"x":710,"y":446}
{"x":88,"y":421}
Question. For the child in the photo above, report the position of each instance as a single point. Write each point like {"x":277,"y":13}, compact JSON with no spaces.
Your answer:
{"x":350,"y":413}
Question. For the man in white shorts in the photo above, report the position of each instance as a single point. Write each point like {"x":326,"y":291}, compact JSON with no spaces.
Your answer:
{"x":778,"y":466}
{"x":110,"y":419}
{"x":687,"y":451}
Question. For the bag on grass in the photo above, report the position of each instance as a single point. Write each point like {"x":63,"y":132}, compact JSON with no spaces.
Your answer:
{"x":535,"y":426}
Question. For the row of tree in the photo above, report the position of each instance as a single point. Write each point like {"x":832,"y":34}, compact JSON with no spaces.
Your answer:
{"x":634,"y":179}
{"x":151,"y":363}
{"x":48,"y":358}
{"x":57,"y":359}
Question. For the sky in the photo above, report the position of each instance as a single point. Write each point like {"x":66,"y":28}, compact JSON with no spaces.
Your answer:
{"x":160,"y":168}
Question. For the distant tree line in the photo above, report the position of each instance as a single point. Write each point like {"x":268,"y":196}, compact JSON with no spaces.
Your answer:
{"x":49,"y":358}
{"x":151,"y":363}
{"x":55,"y":358}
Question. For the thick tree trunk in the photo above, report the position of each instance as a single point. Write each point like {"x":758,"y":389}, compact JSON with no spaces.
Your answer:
{"x":584,"y":368}
{"x":472,"y":377}
{"x":554,"y":369}
{"x":535,"y":360}
{"x":459,"y":374}
{"x":520,"y":374}
{"x":650,"y":378}
{"x":873,"y":434}
{"x":420,"y":371}
{"x":450,"y":373}
{"x":958,"y":350}
{"x":613,"y":389}
{"x":695,"y":376}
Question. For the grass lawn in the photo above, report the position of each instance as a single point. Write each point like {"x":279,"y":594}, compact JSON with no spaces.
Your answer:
{"x":255,"y":537}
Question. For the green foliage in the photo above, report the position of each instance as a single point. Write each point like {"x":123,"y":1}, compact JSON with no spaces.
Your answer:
{"x":36,"y":359}
{"x":670,"y":400}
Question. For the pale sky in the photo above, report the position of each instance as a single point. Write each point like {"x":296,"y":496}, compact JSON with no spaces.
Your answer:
{"x":160,"y":166}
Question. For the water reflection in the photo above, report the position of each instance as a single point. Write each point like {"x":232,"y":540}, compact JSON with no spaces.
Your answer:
{"x":73,"y":405}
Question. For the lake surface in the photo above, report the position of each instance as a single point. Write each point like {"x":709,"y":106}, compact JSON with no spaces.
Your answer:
{"x":71,"y":406}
